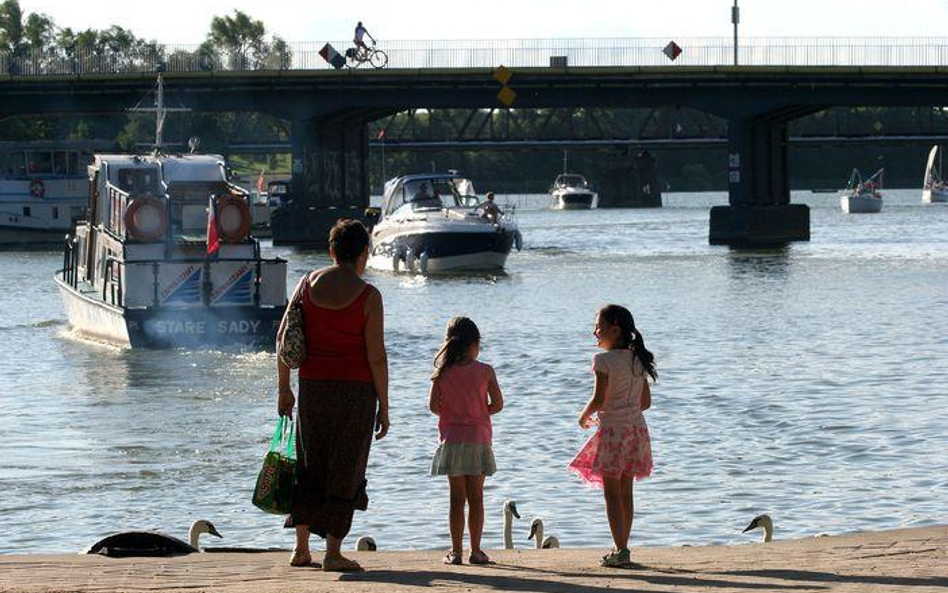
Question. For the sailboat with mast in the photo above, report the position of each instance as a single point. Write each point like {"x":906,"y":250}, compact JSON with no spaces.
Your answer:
{"x":863,"y":196}
{"x":166,"y":257}
{"x":934,"y":189}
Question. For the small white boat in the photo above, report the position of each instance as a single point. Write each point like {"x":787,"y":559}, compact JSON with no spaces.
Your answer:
{"x":571,"y":192}
{"x":934,"y":190}
{"x":435,"y":223}
{"x":863,"y":196}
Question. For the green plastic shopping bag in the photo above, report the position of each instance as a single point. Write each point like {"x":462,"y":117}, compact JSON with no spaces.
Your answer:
{"x":277,"y":479}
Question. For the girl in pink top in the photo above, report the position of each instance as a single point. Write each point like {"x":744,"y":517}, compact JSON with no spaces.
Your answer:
{"x":620,"y":450}
{"x":464,"y":395}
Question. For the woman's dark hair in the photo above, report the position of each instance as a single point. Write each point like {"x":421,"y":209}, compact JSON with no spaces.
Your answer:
{"x":630,"y":336}
{"x":460,"y":335}
{"x":348,"y":239}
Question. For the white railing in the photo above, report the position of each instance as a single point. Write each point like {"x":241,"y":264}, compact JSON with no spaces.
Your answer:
{"x":489,"y":53}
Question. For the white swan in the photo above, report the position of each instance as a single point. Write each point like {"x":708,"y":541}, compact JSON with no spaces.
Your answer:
{"x":149,"y":543}
{"x":762,"y":522}
{"x":536,"y":533}
{"x":510,"y":511}
{"x":366,"y":544}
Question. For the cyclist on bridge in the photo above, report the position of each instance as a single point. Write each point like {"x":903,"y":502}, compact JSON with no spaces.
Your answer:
{"x":359,"y":35}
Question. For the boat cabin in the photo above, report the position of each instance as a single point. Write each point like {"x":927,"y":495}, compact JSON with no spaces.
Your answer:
{"x":415,"y":193}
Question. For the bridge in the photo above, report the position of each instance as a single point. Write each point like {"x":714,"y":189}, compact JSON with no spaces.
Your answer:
{"x":329,"y":110}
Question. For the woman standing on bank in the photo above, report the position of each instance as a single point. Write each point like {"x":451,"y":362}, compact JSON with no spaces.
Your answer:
{"x":343,"y":385}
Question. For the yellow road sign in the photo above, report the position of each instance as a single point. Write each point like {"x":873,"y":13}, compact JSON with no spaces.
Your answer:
{"x":507,"y":96}
{"x":502,"y":75}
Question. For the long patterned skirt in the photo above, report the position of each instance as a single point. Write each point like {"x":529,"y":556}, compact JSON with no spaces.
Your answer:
{"x":336,"y":424}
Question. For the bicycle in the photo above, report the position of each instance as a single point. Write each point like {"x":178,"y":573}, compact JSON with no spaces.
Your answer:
{"x":357,"y":56}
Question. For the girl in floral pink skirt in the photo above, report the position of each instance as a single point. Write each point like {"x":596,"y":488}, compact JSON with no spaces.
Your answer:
{"x":620,"y":449}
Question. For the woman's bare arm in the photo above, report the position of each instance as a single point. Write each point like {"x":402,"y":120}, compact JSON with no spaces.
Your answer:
{"x":378,"y":358}
{"x":598,"y":399}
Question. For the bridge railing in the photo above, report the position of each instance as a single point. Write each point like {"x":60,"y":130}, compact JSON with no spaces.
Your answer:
{"x":488,"y":53}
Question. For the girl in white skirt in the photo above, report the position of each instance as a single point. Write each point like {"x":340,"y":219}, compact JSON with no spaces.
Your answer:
{"x":464,"y":395}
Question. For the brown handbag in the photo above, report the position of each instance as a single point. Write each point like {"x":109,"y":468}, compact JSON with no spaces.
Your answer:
{"x":291,"y":343}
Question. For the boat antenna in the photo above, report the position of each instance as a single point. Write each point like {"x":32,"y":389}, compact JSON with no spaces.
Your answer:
{"x":160,"y":110}
{"x":565,"y":152}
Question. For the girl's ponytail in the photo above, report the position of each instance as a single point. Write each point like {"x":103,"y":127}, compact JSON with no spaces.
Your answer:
{"x":460,"y":335}
{"x":631,"y":336}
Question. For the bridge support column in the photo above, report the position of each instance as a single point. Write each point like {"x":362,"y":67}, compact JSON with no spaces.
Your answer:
{"x":330,"y":179}
{"x":759,"y":210}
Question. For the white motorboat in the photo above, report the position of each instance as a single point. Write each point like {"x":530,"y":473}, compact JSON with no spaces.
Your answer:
{"x":863,"y":196}
{"x":571,"y":192}
{"x":166,"y":258}
{"x":435,"y":223}
{"x":934,"y":190}
{"x":42,"y":190}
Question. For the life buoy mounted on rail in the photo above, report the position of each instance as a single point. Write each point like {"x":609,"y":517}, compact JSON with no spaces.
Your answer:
{"x":37,"y":188}
{"x":146,"y":219}
{"x":232,"y":217}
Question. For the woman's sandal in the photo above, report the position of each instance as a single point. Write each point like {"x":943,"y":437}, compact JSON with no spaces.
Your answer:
{"x":341,"y":565}
{"x":452,"y":558}
{"x":479,"y":557}
{"x":617,"y":559}
{"x":301,"y":559}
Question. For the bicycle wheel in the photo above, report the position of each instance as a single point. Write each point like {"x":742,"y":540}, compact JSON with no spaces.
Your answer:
{"x":378,"y":59}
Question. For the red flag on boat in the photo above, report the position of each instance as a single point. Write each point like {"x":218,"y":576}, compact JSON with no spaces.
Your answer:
{"x":381,"y":134}
{"x":213,"y":239}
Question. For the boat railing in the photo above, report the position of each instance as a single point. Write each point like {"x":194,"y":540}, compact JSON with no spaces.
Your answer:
{"x":118,"y":201}
{"x":112,"y":292}
{"x":71,"y":262}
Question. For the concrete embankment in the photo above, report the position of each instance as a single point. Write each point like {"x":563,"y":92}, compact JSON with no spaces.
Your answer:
{"x":913,"y":560}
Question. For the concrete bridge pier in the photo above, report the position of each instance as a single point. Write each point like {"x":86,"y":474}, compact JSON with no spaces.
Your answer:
{"x":330,"y":178}
{"x":759,"y":212}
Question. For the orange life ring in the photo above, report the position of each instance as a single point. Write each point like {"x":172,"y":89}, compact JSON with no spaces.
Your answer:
{"x":140,"y":228}
{"x":232,"y":217}
{"x":37,"y":188}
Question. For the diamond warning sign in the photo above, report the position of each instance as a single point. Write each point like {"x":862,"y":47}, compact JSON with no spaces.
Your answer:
{"x":507,"y":96}
{"x":672,"y":51}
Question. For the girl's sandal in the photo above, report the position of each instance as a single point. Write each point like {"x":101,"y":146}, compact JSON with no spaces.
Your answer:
{"x":617,"y":559}
{"x":341,"y":565}
{"x":452,"y":558}
{"x":479,"y":557}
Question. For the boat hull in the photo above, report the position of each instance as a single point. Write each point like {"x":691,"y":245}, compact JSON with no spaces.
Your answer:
{"x":12,"y":237}
{"x":935,"y":196}
{"x":440,"y":252}
{"x":860,"y":204}
{"x":573,"y":201}
{"x":169,"y":327}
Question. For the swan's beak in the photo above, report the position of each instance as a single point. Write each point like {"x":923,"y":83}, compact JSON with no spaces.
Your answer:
{"x":513,"y":509}
{"x":533,"y":531}
{"x":753,"y":525}
{"x":213,"y":531}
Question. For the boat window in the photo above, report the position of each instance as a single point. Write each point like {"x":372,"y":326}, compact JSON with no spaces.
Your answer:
{"x":27,"y":211}
{"x":11,"y":163}
{"x":39,"y":162}
{"x":138,"y":180}
{"x":572,"y":181}
{"x":59,"y":162}
{"x":56,"y":212}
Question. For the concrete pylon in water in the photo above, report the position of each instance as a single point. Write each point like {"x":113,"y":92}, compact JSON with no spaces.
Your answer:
{"x":629,"y":181}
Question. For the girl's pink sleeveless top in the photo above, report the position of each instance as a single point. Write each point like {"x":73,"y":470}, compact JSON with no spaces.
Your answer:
{"x":464,"y":417}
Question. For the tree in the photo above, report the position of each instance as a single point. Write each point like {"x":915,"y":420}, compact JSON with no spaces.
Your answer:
{"x":242,"y":39}
{"x":11,"y":27}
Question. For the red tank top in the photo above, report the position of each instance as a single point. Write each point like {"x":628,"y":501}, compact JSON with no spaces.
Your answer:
{"x":335,"y":341}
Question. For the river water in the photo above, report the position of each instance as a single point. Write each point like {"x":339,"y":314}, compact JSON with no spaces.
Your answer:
{"x":810,"y":383}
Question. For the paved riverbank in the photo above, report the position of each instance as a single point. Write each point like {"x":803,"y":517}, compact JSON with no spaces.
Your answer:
{"x":913,"y":560}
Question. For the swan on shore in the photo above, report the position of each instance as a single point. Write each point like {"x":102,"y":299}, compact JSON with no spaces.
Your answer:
{"x":510,"y":511}
{"x":536,"y":533}
{"x":762,"y":522}
{"x":150,"y":543}
{"x":366,"y":544}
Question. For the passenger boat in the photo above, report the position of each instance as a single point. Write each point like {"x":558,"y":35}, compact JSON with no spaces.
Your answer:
{"x":42,"y":190}
{"x":863,"y":196}
{"x":571,"y":192}
{"x":166,"y":258}
{"x":934,"y":189}
{"x":435,"y":223}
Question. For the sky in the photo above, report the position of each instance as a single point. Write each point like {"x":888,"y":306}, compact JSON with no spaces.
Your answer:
{"x":186,"y":21}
